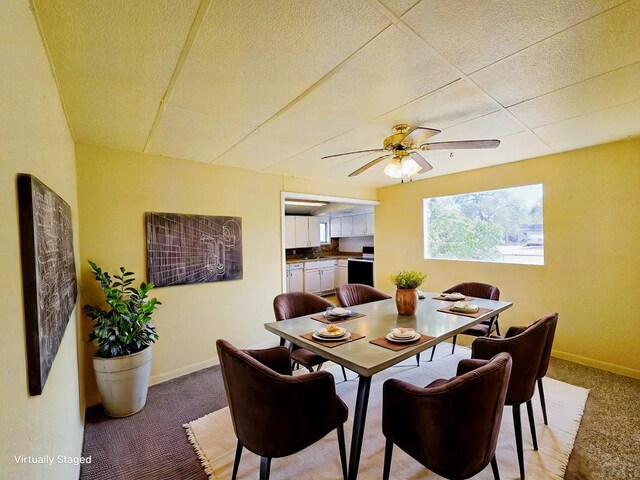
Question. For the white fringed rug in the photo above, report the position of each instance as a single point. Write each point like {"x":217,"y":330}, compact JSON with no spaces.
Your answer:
{"x":213,"y":438}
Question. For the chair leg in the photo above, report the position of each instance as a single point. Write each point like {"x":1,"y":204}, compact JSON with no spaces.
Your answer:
{"x":236,"y":462}
{"x":281,"y":342}
{"x":433,"y":352}
{"x":343,"y":451}
{"x":418,"y":359}
{"x":319,"y":367}
{"x":388,"y":452}
{"x":344,"y":373}
{"x":310,"y":369}
{"x":455,"y":338}
{"x":542,"y":402}
{"x":517,"y":426}
{"x":497,"y":327}
{"x":532,"y":424}
{"x":494,"y":468}
{"x":265,"y":468}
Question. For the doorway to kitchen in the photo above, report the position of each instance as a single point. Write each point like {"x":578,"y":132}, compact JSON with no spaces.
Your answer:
{"x":319,"y":235}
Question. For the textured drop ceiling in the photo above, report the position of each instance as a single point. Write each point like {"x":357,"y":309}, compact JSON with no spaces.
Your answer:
{"x":273,"y":85}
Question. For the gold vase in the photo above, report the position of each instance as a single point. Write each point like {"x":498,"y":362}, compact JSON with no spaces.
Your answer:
{"x":407,"y":301}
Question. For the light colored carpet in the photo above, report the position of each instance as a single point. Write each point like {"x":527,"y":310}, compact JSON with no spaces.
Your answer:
{"x":214,"y":440}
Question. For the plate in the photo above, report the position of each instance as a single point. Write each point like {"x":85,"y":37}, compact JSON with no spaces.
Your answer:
{"x":475,"y":309}
{"x":345,"y":336}
{"x":452,"y":296}
{"x":395,"y":333}
{"x":393,"y":339}
{"x":326,"y":334}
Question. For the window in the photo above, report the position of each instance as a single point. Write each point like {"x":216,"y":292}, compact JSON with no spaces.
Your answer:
{"x":502,"y":225}
{"x":324,"y":233}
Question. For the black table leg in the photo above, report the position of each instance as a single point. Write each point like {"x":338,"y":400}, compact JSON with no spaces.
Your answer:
{"x":359,"y":417}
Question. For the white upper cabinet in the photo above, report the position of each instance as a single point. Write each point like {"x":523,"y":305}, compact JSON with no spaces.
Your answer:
{"x":346,"y":225}
{"x":314,"y":231}
{"x":336,"y":227}
{"x":359,"y":225}
{"x":289,"y":232}
{"x":301,"y":232}
{"x":370,"y":225}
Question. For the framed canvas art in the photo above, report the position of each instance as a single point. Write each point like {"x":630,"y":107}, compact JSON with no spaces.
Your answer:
{"x":48,"y":274}
{"x":184,"y":249}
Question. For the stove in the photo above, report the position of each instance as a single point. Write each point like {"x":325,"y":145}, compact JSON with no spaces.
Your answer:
{"x":360,"y":269}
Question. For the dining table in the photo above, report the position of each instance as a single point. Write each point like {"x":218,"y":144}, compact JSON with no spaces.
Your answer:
{"x":374,"y":321}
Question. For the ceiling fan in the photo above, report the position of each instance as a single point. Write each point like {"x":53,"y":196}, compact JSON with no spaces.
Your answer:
{"x":403,"y":145}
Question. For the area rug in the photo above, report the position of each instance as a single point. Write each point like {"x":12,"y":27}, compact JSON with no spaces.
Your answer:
{"x":213,"y":438}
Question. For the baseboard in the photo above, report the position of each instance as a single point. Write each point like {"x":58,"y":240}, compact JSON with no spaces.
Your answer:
{"x":590,"y":362}
{"x":194,"y":367}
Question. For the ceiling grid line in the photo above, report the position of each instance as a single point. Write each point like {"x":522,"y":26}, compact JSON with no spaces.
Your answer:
{"x":191,"y":37}
{"x":302,"y":95}
{"x":407,"y":29}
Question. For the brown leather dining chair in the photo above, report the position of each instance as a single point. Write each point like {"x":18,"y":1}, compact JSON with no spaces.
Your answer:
{"x":450,"y":426}
{"x":275,"y":414}
{"x":478,"y":290}
{"x":351,"y":294}
{"x":299,"y":304}
{"x":526,"y":345}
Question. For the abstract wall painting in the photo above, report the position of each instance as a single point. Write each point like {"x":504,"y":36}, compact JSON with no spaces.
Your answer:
{"x":48,"y":274}
{"x":186,"y":249}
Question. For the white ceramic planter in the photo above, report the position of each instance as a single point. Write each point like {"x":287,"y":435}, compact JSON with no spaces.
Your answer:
{"x":123,"y":382}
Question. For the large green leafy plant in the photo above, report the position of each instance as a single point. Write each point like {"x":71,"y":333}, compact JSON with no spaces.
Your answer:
{"x":408,"y":279}
{"x":125,"y":327}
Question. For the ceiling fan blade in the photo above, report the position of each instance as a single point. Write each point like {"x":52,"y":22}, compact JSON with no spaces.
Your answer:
{"x":419,"y":159}
{"x":353,"y":153}
{"x":418,"y":135}
{"x":369,"y":165}
{"x":461,"y":144}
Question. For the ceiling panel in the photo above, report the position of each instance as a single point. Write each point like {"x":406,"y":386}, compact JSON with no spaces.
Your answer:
{"x":598,"y":127}
{"x":607,"y":90}
{"x":197,"y":136}
{"x":604,"y":43}
{"x":250,"y":59}
{"x":457,"y":102}
{"x":390,"y":71}
{"x":113,"y":61}
{"x":475,"y":33}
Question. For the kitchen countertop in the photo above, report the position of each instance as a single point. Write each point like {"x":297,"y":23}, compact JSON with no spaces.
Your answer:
{"x":330,"y":257}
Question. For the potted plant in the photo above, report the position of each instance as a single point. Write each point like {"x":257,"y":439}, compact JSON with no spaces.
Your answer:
{"x":407,"y":283}
{"x":124,"y":336}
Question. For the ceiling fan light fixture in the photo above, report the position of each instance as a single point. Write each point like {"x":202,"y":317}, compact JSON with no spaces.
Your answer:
{"x":400,"y":167}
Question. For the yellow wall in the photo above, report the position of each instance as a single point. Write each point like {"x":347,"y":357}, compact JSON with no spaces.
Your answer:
{"x":116,"y":188}
{"x":592,"y":260}
{"x":34,"y":139}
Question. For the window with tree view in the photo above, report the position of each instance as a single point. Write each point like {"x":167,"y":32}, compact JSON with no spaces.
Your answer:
{"x":502,"y":225}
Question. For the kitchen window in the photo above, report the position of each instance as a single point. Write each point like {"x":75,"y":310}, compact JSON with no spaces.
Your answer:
{"x":324,"y":233}
{"x":503,"y":226}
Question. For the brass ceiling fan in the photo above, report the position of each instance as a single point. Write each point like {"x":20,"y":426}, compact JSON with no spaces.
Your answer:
{"x":403,"y":145}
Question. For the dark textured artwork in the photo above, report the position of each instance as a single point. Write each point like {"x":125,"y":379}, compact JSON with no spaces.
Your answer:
{"x":184,"y":249}
{"x":48,"y":274}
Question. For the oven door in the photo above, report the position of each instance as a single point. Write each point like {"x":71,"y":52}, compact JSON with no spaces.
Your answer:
{"x":360,"y":271}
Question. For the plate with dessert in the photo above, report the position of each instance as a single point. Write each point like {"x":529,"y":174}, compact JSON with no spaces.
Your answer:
{"x":331,"y":333}
{"x":402,"y":335}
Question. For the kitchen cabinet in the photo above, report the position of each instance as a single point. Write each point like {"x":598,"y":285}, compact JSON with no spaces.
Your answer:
{"x":289,"y":232}
{"x":340,"y":274}
{"x":306,"y":231}
{"x":359,"y":225}
{"x":369,"y":224}
{"x":319,"y":276}
{"x":346,"y":226}
{"x":336,"y":228}
{"x":352,"y":226}
{"x":295,"y":280}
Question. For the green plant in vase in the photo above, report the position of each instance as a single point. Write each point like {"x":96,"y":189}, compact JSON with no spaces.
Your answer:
{"x":407,"y":283}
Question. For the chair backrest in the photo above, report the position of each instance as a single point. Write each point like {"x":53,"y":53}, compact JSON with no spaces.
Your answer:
{"x":351,"y":294}
{"x":452,"y":427}
{"x":551,"y":321}
{"x":476,"y":289}
{"x":298,"y":304}
{"x":270,"y":411}
{"x":526,"y":349}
